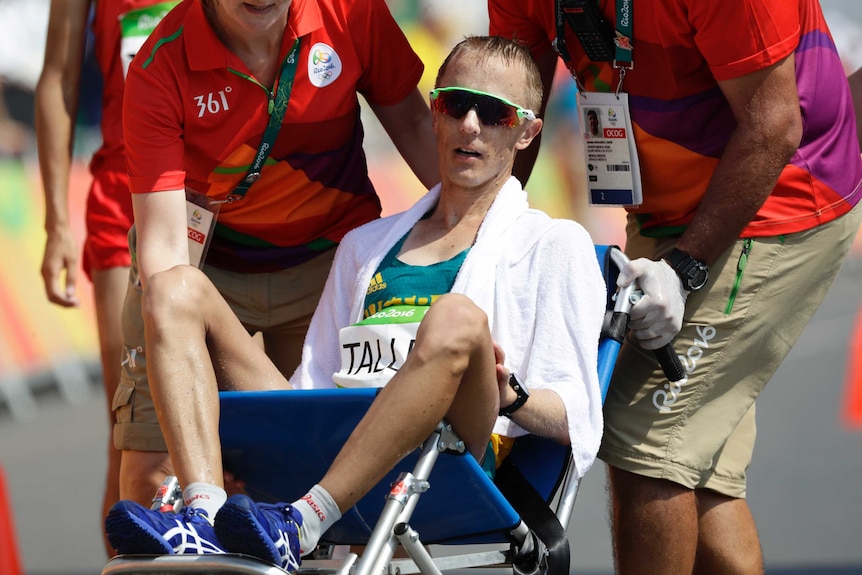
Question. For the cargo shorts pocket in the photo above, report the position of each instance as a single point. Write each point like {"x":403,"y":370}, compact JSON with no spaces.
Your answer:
{"x":121,"y":404}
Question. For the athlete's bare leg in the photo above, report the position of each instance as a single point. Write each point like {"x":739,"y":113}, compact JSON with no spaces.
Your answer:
{"x":451,"y":373}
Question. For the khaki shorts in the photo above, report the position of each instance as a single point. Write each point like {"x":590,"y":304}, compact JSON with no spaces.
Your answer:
{"x":272,"y":303}
{"x":701,"y":435}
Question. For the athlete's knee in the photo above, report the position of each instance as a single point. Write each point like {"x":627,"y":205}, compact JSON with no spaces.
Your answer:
{"x":174,"y":294}
{"x":458,"y":313}
{"x":454,"y":325}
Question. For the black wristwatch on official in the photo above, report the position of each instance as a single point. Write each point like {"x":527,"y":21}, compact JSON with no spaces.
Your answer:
{"x":523,"y":396}
{"x":691,"y":271}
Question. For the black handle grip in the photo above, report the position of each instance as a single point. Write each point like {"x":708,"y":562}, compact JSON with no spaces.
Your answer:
{"x":670,"y":363}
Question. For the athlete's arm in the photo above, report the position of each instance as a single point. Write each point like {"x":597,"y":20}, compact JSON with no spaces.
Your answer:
{"x":769,"y":129}
{"x":408,"y":124}
{"x":56,"y":109}
{"x":161,"y":227}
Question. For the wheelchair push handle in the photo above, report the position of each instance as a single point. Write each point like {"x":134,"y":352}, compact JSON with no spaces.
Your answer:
{"x":666,"y":356}
{"x":670,"y":363}
{"x":627,"y":297}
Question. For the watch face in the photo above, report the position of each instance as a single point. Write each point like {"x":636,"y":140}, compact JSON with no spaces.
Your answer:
{"x":698,"y":278}
{"x":692,"y":272}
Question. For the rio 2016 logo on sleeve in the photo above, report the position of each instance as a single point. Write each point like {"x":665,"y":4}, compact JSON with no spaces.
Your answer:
{"x":324,"y":65}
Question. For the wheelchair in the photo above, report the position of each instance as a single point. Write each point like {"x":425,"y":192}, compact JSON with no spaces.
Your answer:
{"x":280,"y":442}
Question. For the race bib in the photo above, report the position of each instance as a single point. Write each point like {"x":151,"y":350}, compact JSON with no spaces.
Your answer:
{"x":136,"y":26}
{"x":373,"y":350}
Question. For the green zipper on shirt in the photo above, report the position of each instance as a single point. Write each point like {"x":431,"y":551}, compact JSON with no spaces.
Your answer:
{"x":740,"y":268}
{"x":270,"y":94}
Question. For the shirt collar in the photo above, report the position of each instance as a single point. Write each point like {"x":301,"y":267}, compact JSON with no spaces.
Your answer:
{"x":206,"y":52}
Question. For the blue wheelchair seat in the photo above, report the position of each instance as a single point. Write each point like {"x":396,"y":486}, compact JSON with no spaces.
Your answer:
{"x":305,"y":429}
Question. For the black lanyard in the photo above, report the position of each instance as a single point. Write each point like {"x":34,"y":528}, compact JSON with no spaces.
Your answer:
{"x":623,"y":40}
{"x":277,"y":109}
{"x":560,"y":40}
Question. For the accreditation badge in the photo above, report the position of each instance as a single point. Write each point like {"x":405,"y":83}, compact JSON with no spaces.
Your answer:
{"x":373,"y":350}
{"x":201,"y":215}
{"x":135,"y":28}
{"x":612,"y":169}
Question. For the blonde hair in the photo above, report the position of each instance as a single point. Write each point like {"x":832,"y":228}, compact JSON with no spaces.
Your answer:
{"x":510,"y":52}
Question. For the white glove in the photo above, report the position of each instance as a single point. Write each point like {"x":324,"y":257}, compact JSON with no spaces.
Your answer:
{"x":657,"y":317}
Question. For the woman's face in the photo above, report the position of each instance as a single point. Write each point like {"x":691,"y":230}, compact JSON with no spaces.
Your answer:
{"x":251,"y":16}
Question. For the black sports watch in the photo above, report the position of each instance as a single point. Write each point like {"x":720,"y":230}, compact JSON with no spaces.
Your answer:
{"x":691,"y":271}
{"x":523,"y":396}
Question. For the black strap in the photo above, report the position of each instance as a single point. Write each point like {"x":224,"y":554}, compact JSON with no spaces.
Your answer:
{"x":277,"y":108}
{"x":537,"y":514}
{"x":560,"y":40}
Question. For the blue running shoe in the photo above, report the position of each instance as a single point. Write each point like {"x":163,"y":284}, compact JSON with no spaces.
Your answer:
{"x":134,"y":529}
{"x":269,"y":532}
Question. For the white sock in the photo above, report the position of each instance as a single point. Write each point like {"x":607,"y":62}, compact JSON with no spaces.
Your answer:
{"x":319,"y":512}
{"x":206,"y":496}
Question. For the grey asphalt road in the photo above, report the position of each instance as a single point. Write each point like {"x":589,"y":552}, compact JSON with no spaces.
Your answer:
{"x":804,"y":483}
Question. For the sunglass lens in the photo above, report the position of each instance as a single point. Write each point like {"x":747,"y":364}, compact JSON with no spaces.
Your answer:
{"x":494,"y":112}
{"x":455,"y":104}
{"x":491,"y":111}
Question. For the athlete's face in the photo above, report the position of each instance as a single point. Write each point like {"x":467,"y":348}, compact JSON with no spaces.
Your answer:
{"x":474,"y":153}
{"x":252,"y":16}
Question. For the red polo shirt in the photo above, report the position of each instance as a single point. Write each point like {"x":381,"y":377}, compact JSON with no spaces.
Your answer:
{"x":682,"y":122}
{"x":194,"y":117}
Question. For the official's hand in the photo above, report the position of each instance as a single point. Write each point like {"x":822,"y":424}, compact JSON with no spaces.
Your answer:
{"x":60,"y":267}
{"x":657,"y":317}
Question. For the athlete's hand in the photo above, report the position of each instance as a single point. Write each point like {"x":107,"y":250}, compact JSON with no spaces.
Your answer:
{"x":657,"y":317}
{"x":507,"y":394}
{"x":60,"y":267}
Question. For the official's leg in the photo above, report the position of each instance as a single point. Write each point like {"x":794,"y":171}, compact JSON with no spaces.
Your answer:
{"x":697,"y":434}
{"x":727,"y":536}
{"x":450,"y":372}
{"x":141,"y":474}
{"x":285,"y":350}
{"x":654,"y":525}
{"x":694,"y":522}
{"x":145,"y":461}
{"x":728,"y":541}
{"x":109,"y":288}
{"x":724,"y":550}
{"x":655,"y":443}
